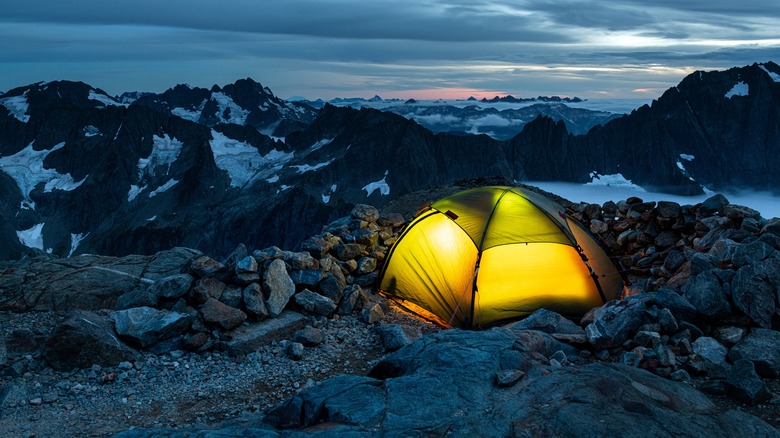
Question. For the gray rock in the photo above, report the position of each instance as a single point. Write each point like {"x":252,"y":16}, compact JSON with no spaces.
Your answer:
{"x":207,"y":288}
{"x":221,"y":315}
{"x":173,"y":286}
{"x":206,"y":267}
{"x":315,"y":303}
{"x":680,"y":307}
{"x":710,"y":349}
{"x":82,"y":340}
{"x":550,"y":322}
{"x":307,"y":277}
{"x":277,"y":286}
{"x":232,"y":296}
{"x":706,"y":294}
{"x":233,"y":258}
{"x":316,"y":246}
{"x":332,"y":288}
{"x":755,"y":289}
{"x":353,"y":298}
{"x":255,"y":302}
{"x":739,"y":212}
{"x":247,"y":265}
{"x":729,"y":335}
{"x":712,"y":204}
{"x":248,"y":338}
{"x":365,"y":265}
{"x":772,"y":226}
{"x":743,"y":384}
{"x":301,"y":260}
{"x":348,"y":251}
{"x":507,"y":378}
{"x":137,"y":298}
{"x":760,"y":347}
{"x":365,"y":212}
{"x":308,"y":336}
{"x":395,"y":336}
{"x":394,"y":220}
{"x":746,"y":254}
{"x":614,"y":323}
{"x":145,"y":326}
{"x":294,"y":350}
{"x":372,"y":313}
{"x":667,"y":209}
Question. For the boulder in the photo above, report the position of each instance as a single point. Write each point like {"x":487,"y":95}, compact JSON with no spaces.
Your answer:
{"x":248,"y":338}
{"x":206,"y":267}
{"x":664,"y":298}
{"x":316,"y":246}
{"x":307,"y":277}
{"x":550,"y":322}
{"x":668,"y":209}
{"x":315,"y":303}
{"x":247,"y":270}
{"x":172,"y":286}
{"x":372,"y":313}
{"x":294,"y":350}
{"x":82,"y":340}
{"x":145,"y":326}
{"x":760,"y":347}
{"x":331,"y":287}
{"x":365,"y":212}
{"x":365,"y":265}
{"x":353,"y":298}
{"x":221,"y":315}
{"x":394,"y":220}
{"x":744,"y":384}
{"x":706,"y":294}
{"x":772,"y":226}
{"x":207,"y":288}
{"x":755,"y":289}
{"x":710,"y":350}
{"x":232,"y":296}
{"x":749,"y":253}
{"x":255,"y":302}
{"x":395,"y":336}
{"x":308,"y":336}
{"x":348,"y":251}
{"x":614,"y":323}
{"x":712,"y":204}
{"x":234,"y":257}
{"x":143,"y":297}
{"x":301,"y":260}
{"x":278,"y":287}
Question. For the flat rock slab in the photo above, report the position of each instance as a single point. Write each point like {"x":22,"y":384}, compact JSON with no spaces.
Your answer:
{"x":248,"y":338}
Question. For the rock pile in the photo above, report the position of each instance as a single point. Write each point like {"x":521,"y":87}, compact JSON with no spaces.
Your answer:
{"x":240,"y":304}
{"x":704,"y":292}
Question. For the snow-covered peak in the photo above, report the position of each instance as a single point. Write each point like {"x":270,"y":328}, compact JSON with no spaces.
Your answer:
{"x":774,"y":76}
{"x":229,"y":111}
{"x":739,"y":89}
{"x":17,"y":106}
{"x":104,"y":99}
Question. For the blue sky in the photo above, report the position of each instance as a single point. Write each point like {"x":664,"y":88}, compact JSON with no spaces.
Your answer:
{"x":401,"y":48}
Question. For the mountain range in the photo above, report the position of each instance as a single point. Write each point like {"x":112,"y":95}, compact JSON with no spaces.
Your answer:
{"x":86,"y":172}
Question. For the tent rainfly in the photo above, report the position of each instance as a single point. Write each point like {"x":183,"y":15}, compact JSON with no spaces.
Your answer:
{"x":493,"y":254}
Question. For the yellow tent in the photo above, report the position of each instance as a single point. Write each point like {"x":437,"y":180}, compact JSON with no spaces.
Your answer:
{"x":492,"y":254}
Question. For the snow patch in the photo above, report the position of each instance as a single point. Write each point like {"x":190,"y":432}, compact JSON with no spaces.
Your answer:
{"x":682,"y":169}
{"x":165,"y":150}
{"x":17,"y":106}
{"x":33,"y":237}
{"x":186,"y":114}
{"x":614,"y":180}
{"x":740,"y":89}
{"x":75,"y":241}
{"x":687,"y":157}
{"x":320,"y":144}
{"x":229,"y":111}
{"x":243,"y":162}
{"x":381,"y":185}
{"x":303,"y":168}
{"x":168,"y":184}
{"x":102,"y":98}
{"x":775,"y":77}
{"x":326,"y":196}
{"x":134,"y":192}
{"x":151,"y":218}
{"x":272,"y":179}
{"x":26,"y":168}
{"x":325,"y":199}
{"x":91,"y":131}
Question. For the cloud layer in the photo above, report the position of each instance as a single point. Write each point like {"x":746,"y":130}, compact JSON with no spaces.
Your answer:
{"x":321,"y":48}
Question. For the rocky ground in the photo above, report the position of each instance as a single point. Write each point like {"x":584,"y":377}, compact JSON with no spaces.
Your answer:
{"x":177,"y":389}
{"x":187,"y":343}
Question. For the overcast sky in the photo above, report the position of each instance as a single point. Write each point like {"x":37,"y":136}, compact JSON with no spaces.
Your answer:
{"x":399,"y":48}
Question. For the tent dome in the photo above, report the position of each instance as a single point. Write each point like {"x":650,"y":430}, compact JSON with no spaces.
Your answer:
{"x":492,"y":254}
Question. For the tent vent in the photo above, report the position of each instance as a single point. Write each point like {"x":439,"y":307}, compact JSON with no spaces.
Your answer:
{"x":451,"y":215}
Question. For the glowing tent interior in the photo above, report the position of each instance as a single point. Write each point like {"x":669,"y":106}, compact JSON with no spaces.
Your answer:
{"x":492,"y":254}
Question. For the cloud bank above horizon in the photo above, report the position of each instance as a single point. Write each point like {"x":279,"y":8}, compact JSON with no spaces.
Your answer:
{"x":421,"y":49}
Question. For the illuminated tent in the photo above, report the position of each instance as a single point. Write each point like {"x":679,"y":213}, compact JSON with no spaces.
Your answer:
{"x":492,"y":254}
